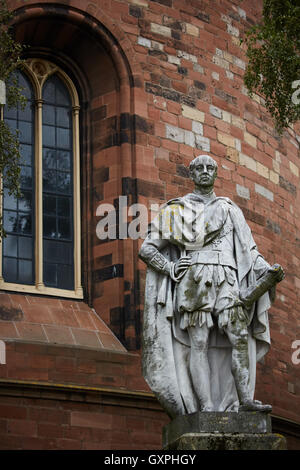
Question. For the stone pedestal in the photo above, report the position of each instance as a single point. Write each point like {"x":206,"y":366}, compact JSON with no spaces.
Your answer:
{"x":246,"y":430}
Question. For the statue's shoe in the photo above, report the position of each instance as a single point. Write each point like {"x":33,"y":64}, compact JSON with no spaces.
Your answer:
{"x":255,"y":405}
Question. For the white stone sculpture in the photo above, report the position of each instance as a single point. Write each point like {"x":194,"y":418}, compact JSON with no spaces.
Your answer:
{"x":208,"y":291}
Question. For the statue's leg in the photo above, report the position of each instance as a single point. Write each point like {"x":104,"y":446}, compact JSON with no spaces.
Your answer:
{"x":238,"y":336}
{"x":237,"y":333}
{"x":199,"y":366}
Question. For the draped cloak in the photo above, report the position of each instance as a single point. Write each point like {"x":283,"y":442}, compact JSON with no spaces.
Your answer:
{"x":166,"y":346}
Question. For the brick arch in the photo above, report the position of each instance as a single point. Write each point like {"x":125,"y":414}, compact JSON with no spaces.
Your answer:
{"x":109,"y":140}
{"x":113,"y":38}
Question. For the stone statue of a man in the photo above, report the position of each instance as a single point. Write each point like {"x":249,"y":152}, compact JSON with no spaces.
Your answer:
{"x":208,"y":291}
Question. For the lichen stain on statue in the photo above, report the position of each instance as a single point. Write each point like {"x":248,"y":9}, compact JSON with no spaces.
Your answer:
{"x":207,"y":295}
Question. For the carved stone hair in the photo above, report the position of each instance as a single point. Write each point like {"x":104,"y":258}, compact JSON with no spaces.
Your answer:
{"x":193,"y":162}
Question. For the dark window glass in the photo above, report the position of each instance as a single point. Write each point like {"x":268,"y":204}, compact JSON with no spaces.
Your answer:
{"x":64,"y":182}
{"x":50,"y":275}
{"x":63,"y":206}
{"x":25,"y":129}
{"x":9,"y":201}
{"x":26,"y":154}
{"x":18,"y":219}
{"x":10,"y":246}
{"x":25,"y":247}
{"x":63,"y":160}
{"x":50,"y":227}
{"x":58,"y":265}
{"x":18,"y":215}
{"x":63,"y":228}
{"x":48,"y":115}
{"x":49,"y":205}
{"x":48,"y":135}
{"x":10,"y":269}
{"x":58,"y":244}
{"x":25,"y":271}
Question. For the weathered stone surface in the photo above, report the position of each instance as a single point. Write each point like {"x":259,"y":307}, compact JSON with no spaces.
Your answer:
{"x":159,"y":29}
{"x":247,"y":422}
{"x":211,"y":372}
{"x":248,"y":430}
{"x":202,"y":143}
{"x":174,"y":133}
{"x":11,"y":314}
{"x":193,"y":114}
{"x":264,"y":192}
{"x":207,"y":441}
{"x":242,"y":191}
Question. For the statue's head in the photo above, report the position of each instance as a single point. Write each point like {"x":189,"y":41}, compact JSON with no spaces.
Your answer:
{"x":203,"y":171}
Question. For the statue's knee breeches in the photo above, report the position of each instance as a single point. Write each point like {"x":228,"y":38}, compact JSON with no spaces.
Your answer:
{"x":213,"y":291}
{"x":235,"y":320}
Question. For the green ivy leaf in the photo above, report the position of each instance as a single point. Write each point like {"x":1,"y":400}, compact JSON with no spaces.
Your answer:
{"x":10,"y":60}
{"x":273,"y":51}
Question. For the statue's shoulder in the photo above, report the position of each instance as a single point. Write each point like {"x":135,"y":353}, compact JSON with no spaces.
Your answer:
{"x":228,"y":202}
{"x":230,"y":207}
{"x":175,"y":200}
{"x":172,"y":204}
{"x":222,"y":203}
{"x":224,"y":200}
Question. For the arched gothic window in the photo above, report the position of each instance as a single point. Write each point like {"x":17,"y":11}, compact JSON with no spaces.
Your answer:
{"x":41,"y":253}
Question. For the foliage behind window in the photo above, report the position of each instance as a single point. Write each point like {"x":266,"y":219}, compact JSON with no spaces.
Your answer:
{"x":10,"y":60}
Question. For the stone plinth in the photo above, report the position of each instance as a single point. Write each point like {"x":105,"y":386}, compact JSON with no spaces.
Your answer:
{"x":248,"y":430}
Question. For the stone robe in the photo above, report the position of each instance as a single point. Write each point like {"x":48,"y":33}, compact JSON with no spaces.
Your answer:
{"x":184,"y":225}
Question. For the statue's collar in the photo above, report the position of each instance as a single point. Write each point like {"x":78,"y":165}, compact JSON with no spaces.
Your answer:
{"x":204,"y":198}
{"x":195,"y":198}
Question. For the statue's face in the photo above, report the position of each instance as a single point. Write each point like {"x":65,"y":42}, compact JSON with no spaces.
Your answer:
{"x":204,"y":172}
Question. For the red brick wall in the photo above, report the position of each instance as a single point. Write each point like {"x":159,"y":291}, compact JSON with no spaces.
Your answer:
{"x":40,"y":424}
{"x":162,"y":81}
{"x":58,"y":397}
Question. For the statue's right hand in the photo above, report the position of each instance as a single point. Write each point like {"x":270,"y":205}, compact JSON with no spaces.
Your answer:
{"x":182,"y":264}
{"x":278,"y":270}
